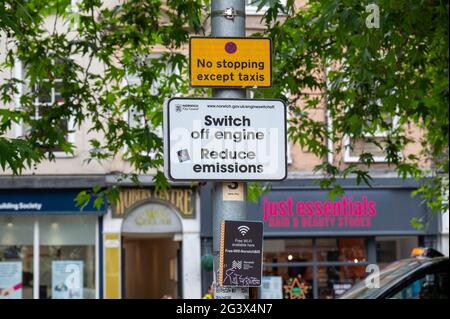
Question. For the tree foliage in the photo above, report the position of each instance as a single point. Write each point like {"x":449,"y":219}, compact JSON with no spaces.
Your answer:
{"x":119,"y":40}
{"x":327,"y":52}
{"x":323,"y":53}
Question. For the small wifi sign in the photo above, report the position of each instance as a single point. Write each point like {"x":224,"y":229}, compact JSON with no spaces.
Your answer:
{"x":243,"y":229}
{"x":240,"y":260}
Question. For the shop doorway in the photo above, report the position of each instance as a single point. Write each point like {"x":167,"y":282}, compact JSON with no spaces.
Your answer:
{"x":151,"y":268}
{"x":151,"y":252}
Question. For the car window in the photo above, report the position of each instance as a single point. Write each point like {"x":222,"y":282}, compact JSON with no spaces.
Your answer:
{"x":428,"y":286}
{"x":390,"y":274}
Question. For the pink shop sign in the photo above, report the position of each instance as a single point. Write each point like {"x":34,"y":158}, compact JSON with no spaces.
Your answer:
{"x":342,"y":213}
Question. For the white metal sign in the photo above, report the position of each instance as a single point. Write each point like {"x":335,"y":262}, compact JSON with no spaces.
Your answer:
{"x":224,"y":139}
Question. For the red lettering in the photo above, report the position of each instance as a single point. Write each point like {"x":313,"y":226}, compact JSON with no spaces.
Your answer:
{"x":309,"y":210}
{"x":357,"y":210}
{"x":282,"y":211}
{"x":289,"y":203}
{"x":327,"y":208}
{"x":266,"y":206}
{"x":337,"y":208}
{"x":318,"y":206}
{"x":279,"y":222}
{"x":350,"y":205}
{"x":300,"y":208}
{"x":372,"y":209}
{"x":364,"y":198}
{"x":344,"y":205}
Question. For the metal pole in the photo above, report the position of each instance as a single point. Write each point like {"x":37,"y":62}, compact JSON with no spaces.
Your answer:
{"x":223,"y":25}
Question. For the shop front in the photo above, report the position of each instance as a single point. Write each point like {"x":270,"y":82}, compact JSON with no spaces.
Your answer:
{"x":315,"y":247}
{"x":152,"y":245}
{"x":48,"y":246}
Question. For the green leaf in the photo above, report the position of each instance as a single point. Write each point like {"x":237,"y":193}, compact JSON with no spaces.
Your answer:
{"x":96,"y":189}
{"x":99,"y":202}
{"x":161,"y":181}
{"x":418,"y":225}
{"x":82,"y":199}
{"x":256,"y":190}
{"x":336,"y":191}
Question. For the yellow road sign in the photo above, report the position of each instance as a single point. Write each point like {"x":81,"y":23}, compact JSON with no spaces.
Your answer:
{"x":230,"y":62}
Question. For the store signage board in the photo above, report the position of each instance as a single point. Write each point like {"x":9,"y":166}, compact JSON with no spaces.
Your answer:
{"x":230,"y":62}
{"x":225,"y":139}
{"x":240,"y":253}
{"x":44,"y":202}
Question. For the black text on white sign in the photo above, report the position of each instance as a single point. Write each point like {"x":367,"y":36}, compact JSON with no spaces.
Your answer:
{"x":225,"y":139}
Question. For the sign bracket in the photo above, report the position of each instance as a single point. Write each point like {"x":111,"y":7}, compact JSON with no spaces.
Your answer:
{"x":228,"y":13}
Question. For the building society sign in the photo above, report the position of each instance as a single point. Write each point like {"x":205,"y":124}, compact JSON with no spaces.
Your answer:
{"x":225,"y":139}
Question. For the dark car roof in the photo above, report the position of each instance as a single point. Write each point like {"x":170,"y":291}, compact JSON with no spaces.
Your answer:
{"x":393,"y":275}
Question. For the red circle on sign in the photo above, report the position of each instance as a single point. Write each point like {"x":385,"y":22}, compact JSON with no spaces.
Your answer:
{"x":230,"y":47}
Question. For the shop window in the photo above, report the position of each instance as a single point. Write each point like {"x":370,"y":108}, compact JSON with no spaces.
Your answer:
{"x":296,"y":282}
{"x":65,"y":252}
{"x":287,"y":265}
{"x":390,"y":249}
{"x":333,"y":281}
{"x":287,"y":250}
{"x":341,"y":250}
{"x":67,"y":257}
{"x":47,"y":95}
{"x":324,"y":267}
{"x":386,"y":252}
{"x":16,"y":257}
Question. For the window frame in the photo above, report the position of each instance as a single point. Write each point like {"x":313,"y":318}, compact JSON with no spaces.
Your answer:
{"x":347,"y":157}
{"x":133,"y":79}
{"x":19,"y":127}
{"x":158,"y":131}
